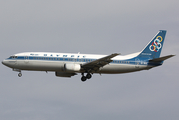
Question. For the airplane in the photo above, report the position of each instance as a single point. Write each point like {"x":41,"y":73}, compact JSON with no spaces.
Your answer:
{"x":69,"y":64}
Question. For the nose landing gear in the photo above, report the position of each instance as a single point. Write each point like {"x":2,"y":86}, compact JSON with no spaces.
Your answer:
{"x":17,"y":70}
{"x":20,"y":74}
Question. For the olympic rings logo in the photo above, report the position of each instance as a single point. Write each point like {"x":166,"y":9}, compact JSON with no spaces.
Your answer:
{"x":156,"y":45}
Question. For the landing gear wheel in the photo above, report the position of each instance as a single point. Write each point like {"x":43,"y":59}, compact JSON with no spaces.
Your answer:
{"x":83,"y":78}
{"x":20,"y":74}
{"x":88,"y":76}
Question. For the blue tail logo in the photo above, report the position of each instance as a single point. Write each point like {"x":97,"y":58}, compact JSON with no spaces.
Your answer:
{"x":156,"y":45}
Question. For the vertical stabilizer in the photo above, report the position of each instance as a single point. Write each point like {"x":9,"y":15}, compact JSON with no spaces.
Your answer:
{"x":154,"y":47}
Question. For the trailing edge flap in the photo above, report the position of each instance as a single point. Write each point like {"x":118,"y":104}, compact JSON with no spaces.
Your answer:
{"x":161,"y":58}
{"x":99,"y":62}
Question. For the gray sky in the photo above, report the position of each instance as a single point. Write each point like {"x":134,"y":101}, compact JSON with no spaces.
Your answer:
{"x":89,"y":26}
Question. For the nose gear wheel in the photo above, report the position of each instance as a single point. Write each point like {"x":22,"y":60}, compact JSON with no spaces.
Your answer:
{"x":20,"y":74}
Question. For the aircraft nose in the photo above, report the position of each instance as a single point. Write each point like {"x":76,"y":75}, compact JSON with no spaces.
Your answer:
{"x":8,"y":63}
{"x":4,"y":62}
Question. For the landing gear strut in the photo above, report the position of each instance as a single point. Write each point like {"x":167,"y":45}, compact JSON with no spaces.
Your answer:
{"x":84,"y":78}
{"x":20,"y":74}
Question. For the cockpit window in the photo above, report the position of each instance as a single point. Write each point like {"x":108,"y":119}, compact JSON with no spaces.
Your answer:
{"x":13,"y":57}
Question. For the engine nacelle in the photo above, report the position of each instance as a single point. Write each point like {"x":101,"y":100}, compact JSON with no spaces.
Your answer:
{"x":72,"y":67}
{"x":64,"y":74}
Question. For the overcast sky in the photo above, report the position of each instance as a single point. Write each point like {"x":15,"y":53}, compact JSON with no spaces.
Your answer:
{"x":89,"y":26}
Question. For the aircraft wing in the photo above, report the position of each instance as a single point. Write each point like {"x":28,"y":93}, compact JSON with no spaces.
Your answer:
{"x":95,"y":65}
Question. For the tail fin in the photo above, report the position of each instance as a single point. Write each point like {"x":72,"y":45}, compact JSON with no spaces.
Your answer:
{"x":154,"y":47}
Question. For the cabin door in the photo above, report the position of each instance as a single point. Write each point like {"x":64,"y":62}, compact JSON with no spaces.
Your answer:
{"x":26,"y":59}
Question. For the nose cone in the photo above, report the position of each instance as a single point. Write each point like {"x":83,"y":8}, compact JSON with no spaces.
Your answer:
{"x":4,"y":62}
{"x":9,"y":63}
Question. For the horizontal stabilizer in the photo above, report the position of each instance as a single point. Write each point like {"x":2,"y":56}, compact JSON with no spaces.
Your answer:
{"x":161,"y":58}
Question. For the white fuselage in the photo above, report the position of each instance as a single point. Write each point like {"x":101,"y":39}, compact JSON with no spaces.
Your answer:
{"x":42,"y":61}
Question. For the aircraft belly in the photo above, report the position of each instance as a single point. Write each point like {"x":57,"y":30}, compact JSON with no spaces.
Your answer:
{"x":40,"y":65}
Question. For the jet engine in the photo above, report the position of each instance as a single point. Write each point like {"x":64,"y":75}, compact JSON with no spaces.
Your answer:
{"x":72,"y":67}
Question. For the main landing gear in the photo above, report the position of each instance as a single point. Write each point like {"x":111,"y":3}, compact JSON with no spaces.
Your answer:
{"x":84,"y":78}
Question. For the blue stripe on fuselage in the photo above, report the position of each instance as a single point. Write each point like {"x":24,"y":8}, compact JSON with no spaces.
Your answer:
{"x":132,"y":61}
